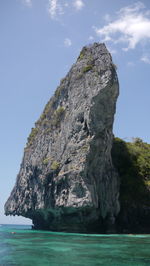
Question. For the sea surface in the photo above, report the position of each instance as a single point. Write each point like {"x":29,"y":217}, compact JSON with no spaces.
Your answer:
{"x":21,"y":246}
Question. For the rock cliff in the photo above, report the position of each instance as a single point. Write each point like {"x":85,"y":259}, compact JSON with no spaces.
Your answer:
{"x":67,"y":181}
{"x":132,"y":161}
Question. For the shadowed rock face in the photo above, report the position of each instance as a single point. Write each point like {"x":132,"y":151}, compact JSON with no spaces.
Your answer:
{"x":67,"y":181}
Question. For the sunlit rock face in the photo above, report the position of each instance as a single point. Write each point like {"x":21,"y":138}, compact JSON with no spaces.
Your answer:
{"x":67,"y":181}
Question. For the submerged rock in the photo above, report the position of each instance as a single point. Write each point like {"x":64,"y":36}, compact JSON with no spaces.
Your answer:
{"x":67,"y":181}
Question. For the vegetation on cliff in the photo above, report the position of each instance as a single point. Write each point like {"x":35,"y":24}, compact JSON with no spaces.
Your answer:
{"x":132,"y":160}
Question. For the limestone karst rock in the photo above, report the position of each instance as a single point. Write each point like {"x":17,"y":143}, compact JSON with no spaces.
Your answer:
{"x":67,"y":181}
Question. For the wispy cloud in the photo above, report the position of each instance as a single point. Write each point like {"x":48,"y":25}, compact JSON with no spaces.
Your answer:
{"x":145,"y":59}
{"x":67,"y":42}
{"x":78,"y":4}
{"x":130,"y":64}
{"x":58,"y":7}
{"x":55,"y":9}
{"x":131,"y":26}
{"x":91,"y":38}
{"x":111,"y":50}
{"x":28,"y":2}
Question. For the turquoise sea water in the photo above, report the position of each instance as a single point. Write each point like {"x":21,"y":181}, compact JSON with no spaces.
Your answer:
{"x":40,"y":248}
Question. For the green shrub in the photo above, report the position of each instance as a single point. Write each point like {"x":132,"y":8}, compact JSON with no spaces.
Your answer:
{"x":85,"y":148}
{"x":58,"y":92}
{"x":46,"y":161}
{"x":48,"y":107}
{"x":43,"y":118}
{"x":58,"y":115}
{"x":32,"y":135}
{"x":60,"y":110}
{"x":55,"y":165}
{"x":81,"y":56}
{"x":47,"y":131}
{"x":147,"y":183}
{"x":87,"y":68}
{"x":132,"y":160}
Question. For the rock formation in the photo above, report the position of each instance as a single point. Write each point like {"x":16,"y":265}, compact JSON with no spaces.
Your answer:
{"x":132,"y":162}
{"x":67,"y":181}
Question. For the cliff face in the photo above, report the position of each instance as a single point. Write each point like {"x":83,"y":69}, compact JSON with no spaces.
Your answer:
{"x":67,"y":180}
{"x":132,"y":161}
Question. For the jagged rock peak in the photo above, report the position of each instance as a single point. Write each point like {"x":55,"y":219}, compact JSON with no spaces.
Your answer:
{"x":67,"y":180}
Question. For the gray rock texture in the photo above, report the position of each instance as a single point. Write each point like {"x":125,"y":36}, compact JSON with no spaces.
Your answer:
{"x":67,"y":181}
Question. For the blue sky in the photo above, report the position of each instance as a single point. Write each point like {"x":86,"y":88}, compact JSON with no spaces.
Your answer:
{"x":40,"y":40}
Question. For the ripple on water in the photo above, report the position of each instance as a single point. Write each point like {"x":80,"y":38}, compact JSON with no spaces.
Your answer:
{"x":27,"y":247}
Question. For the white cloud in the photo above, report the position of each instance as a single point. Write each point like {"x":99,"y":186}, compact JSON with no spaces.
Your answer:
{"x":132,"y":8}
{"x":131,"y":26}
{"x":111,"y":50}
{"x":67,"y":42}
{"x":130,"y":64}
{"x":58,"y":7}
{"x":28,"y":3}
{"x":91,"y":38}
{"x":78,"y":4}
{"x":55,"y":8}
{"x":145,"y":59}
